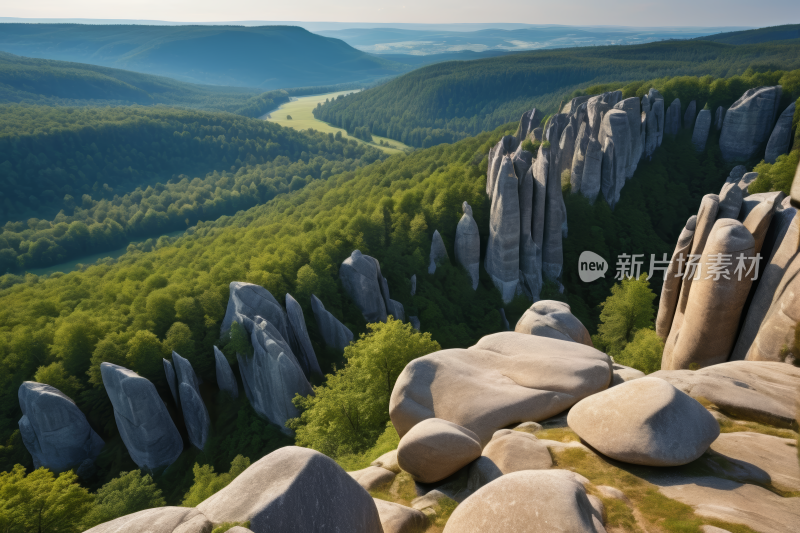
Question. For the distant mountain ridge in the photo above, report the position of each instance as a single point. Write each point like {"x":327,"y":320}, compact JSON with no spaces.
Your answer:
{"x":760,"y":35}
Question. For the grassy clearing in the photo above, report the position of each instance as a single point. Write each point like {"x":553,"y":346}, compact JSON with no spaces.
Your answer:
{"x":385,"y":443}
{"x":300,"y":109}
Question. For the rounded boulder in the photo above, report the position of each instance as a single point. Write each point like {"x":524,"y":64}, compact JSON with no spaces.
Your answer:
{"x":553,"y":319}
{"x":435,"y":449}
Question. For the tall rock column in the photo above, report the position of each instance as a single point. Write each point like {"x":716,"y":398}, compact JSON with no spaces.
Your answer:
{"x":530,"y":270}
{"x":748,"y":123}
{"x":689,"y":116}
{"x":552,"y":251}
{"x":633,"y":110}
{"x":304,"y":352}
{"x":502,"y":253}
{"x":592,"y":170}
{"x":505,"y":146}
{"x":438,"y":253}
{"x":615,"y":127}
{"x":529,"y":120}
{"x":468,"y":244}
{"x":672,"y":123}
{"x":361,"y":278}
{"x":701,"y":128}
{"x":781,"y":137}
{"x":673,"y":278}
{"x":335,"y":334}
{"x":658,"y":112}
{"x":195,"y":414}
{"x":226,"y":381}
{"x":719,"y":118}
{"x":579,"y":158}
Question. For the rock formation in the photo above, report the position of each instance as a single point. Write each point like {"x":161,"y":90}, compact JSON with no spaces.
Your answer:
{"x":438,"y":252}
{"x":502,"y":253}
{"x":414,"y":277}
{"x":553,"y":319}
{"x":226,"y":381}
{"x":159,"y":520}
{"x":719,"y":118}
{"x":142,"y":419}
{"x":433,"y":449}
{"x":468,"y":244}
{"x":253,"y":300}
{"x":301,"y":345}
{"x":672,"y":279}
{"x":552,"y":251}
{"x":701,"y":129}
{"x":530,"y":271}
{"x":361,"y":278}
{"x":658,"y":112}
{"x":504,"y":147}
{"x":748,"y":123}
{"x":333,"y":333}
{"x":55,"y":432}
{"x":508,"y":451}
{"x":195,"y":414}
{"x":781,"y":138}
{"x":689,"y":116}
{"x":528,"y":122}
{"x":672,"y":122}
{"x":172,"y":380}
{"x":616,"y":139}
{"x":633,"y":108}
{"x":590,"y":182}
{"x":414,"y":321}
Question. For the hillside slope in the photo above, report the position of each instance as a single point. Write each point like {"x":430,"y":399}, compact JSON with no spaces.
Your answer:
{"x":760,"y":35}
{"x":268,"y":57}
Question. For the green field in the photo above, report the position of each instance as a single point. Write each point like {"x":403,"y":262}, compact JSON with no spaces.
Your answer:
{"x":300,"y":109}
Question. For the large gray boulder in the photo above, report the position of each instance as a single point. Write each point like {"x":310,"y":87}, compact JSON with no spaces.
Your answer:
{"x":781,"y":138}
{"x":592,"y":170}
{"x":672,"y":122}
{"x":142,"y":419}
{"x":529,"y":252}
{"x":645,"y":421}
{"x":633,"y":110}
{"x":552,"y":250}
{"x":335,"y":334}
{"x":748,"y":123}
{"x":673,"y":278}
{"x":689,"y":116}
{"x":468,"y":244}
{"x":53,"y":429}
{"x":226,"y":381}
{"x":195,"y":414}
{"x":701,"y":129}
{"x":505,"y":378}
{"x":529,"y":501}
{"x":502,"y":252}
{"x":529,"y":120}
{"x":508,"y":451}
{"x":158,"y":520}
{"x":553,"y":319}
{"x":434,"y":449}
{"x":361,"y":278}
{"x":302,"y":342}
{"x":438,"y":253}
{"x":295,"y":490}
{"x":251,"y":301}
{"x":271,"y":376}
{"x":396,"y":518}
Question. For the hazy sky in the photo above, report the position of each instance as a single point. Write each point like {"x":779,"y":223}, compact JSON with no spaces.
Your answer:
{"x":569,"y":12}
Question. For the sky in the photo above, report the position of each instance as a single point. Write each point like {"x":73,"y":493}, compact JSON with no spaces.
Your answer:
{"x":567,"y":12}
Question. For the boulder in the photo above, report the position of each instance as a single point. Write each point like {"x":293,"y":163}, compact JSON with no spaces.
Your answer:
{"x":748,"y":123}
{"x":719,"y":118}
{"x":506,"y":378}
{"x":172,"y":380}
{"x":529,"y":120}
{"x":672,"y":122}
{"x":502,"y":253}
{"x":537,"y":134}
{"x":529,"y":253}
{"x":294,"y":489}
{"x":301,"y":342}
{"x":750,"y":202}
{"x":591,"y":178}
{"x":271,"y":376}
{"x":414,"y":321}
{"x":468,"y":245}
{"x":646,"y":421}
{"x":573,"y":105}
{"x":388,"y":461}
{"x":781,"y":138}
{"x":53,"y":429}
{"x":158,"y":520}
{"x":195,"y":414}
{"x":673,"y":279}
{"x":689,"y":116}
{"x":758,"y":220}
{"x":361,"y":278}
{"x":373,"y":477}
{"x":142,"y":419}
{"x":334,"y":333}
{"x":508,"y":451}
{"x":761,"y":391}
{"x":701,"y":129}
{"x":633,"y":110}
{"x":226,"y":381}
{"x":396,"y":518}
{"x":529,"y":501}
{"x":434,"y":449}
{"x":707,"y":331}
{"x":438,"y":252}
{"x":745,"y":182}
{"x":624,"y":373}
{"x":730,"y":201}
{"x":396,"y":309}
{"x":553,"y":319}
{"x":251,"y":301}
{"x":774,"y":458}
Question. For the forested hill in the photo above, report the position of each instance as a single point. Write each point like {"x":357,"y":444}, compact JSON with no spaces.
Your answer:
{"x":267,"y":57}
{"x":450,"y":101}
{"x":760,"y":35}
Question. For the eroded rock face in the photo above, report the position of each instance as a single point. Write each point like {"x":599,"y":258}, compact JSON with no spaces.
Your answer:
{"x":615,"y":127}
{"x":633,"y":109}
{"x":579,"y":158}
{"x":528,"y":122}
{"x":645,"y":421}
{"x":689,"y":116}
{"x":53,"y":429}
{"x":334,"y":333}
{"x":504,"y":147}
{"x":302,"y":342}
{"x":505,"y":378}
{"x":730,"y":201}
{"x":781,"y":138}
{"x":172,"y":380}
{"x":748,"y":123}
{"x":552,"y":249}
{"x":251,"y":301}
{"x":553,"y":319}
{"x":672,"y":122}
{"x":502,"y":253}
{"x":434,"y":449}
{"x":361,"y":278}
{"x":673,"y":278}
{"x":468,"y":244}
{"x":508,"y":451}
{"x":142,"y":419}
{"x":438,"y":254}
{"x":719,"y":118}
{"x":773,"y":459}
{"x":295,"y":490}
{"x":701,"y":129}
{"x":226,"y":381}
{"x":195,"y":414}
{"x":591,"y":179}
{"x":528,"y":501}
{"x":158,"y":520}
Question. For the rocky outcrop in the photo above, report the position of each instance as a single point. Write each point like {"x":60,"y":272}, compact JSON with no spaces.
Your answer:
{"x":701,"y":129}
{"x":566,"y":149}
{"x":672,"y":279}
{"x":767,"y":459}
{"x":719,"y":118}
{"x":158,"y":520}
{"x":172,"y":380}
{"x":672,"y":122}
{"x":528,"y":122}
{"x":579,"y":159}
{"x":781,"y":138}
{"x":438,"y":253}
{"x":748,"y":123}
{"x":504,"y":147}
{"x":730,"y":201}
{"x":615,"y":131}
{"x":505,"y":378}
{"x":502,"y":253}
{"x":300,"y":341}
{"x":361,"y":278}
{"x":645,"y":421}
{"x":396,"y":518}
{"x":414,"y":280}
{"x":333,"y":333}
{"x":530,"y":267}
{"x":508,"y":451}
{"x":434,"y":449}
{"x":689,"y":116}
{"x":633,"y":109}
{"x":658,"y":112}
{"x":294,"y":490}
{"x":553,"y":319}
{"x":226,"y":381}
{"x":552,"y":250}
{"x":414,"y":321}
{"x":251,"y":301}
{"x":468,"y":244}
{"x":195,"y":414}
{"x":142,"y":419}
{"x":592,"y":170}
{"x":55,"y":432}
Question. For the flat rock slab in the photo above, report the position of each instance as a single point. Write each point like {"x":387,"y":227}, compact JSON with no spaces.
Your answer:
{"x":762,"y":391}
{"x":159,"y":520}
{"x":505,"y":379}
{"x":774,"y":456}
{"x":396,"y":518}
